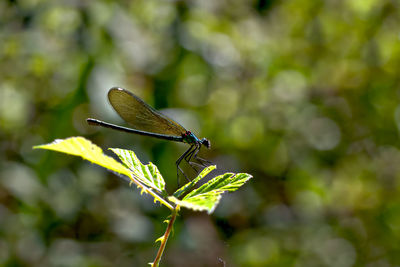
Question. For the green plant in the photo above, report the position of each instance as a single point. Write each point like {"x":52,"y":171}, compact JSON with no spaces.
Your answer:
{"x":149,"y":180}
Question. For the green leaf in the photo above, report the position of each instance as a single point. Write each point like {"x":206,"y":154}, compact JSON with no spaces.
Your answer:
{"x":207,"y":196}
{"x":147,"y":174}
{"x":187,"y":187}
{"x":79,"y":146}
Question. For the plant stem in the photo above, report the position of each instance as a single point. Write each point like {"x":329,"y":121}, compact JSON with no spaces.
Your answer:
{"x":165,"y":237}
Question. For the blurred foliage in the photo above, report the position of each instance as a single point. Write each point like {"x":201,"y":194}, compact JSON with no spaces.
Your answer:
{"x":304,"y":95}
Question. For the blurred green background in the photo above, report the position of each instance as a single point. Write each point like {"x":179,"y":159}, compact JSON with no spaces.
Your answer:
{"x":303,"y":95}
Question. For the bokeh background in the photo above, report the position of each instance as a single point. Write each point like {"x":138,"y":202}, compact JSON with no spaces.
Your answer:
{"x":303,"y":95}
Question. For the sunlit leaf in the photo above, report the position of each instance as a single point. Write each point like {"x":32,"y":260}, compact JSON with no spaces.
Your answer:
{"x":79,"y":146}
{"x":207,"y":196}
{"x":147,"y":174}
{"x":187,"y":187}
